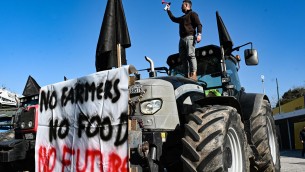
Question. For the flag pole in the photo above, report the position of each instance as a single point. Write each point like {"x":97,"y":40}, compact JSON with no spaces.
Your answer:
{"x":119,"y":55}
{"x":118,"y":48}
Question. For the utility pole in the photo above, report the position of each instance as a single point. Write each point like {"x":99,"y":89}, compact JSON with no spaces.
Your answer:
{"x":278,"y":96}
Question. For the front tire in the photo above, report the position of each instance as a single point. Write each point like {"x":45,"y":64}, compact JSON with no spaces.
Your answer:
{"x":264,"y":138}
{"x":215,"y":141}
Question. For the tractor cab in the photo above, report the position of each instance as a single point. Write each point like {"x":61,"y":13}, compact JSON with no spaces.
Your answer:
{"x":217,"y":72}
{"x":211,"y":72}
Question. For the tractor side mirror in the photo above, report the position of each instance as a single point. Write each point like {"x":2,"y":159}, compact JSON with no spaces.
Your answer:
{"x":251,"y":57}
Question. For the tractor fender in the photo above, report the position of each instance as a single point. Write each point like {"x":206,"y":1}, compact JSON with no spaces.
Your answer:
{"x":221,"y":100}
{"x":251,"y":103}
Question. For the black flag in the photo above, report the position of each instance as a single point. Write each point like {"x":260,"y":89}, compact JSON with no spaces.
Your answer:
{"x":224,"y":37}
{"x":114,"y":32}
{"x":31,"y":87}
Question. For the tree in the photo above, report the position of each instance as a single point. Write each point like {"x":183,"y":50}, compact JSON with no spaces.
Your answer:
{"x":291,"y":95}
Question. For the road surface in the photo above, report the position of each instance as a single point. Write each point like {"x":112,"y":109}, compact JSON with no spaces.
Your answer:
{"x":292,"y":161}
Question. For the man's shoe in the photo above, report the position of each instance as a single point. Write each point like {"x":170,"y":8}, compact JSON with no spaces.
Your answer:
{"x":193,"y":76}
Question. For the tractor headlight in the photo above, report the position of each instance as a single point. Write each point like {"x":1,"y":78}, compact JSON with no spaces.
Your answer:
{"x":22,"y":124}
{"x":151,"y":106}
{"x":30,"y":124}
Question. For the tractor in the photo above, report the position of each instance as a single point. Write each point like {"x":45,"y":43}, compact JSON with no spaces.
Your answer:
{"x":212,"y":124}
{"x":18,"y":153}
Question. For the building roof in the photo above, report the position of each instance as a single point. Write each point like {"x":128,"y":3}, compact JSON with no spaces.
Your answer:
{"x":293,"y":114}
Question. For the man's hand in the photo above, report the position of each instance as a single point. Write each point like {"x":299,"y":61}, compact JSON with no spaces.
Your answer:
{"x":198,"y":38}
{"x":167,"y":7}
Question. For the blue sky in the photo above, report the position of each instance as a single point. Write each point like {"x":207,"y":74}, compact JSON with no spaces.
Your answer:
{"x":50,"y":39}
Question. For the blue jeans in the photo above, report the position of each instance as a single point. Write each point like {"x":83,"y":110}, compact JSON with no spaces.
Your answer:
{"x":187,"y":54}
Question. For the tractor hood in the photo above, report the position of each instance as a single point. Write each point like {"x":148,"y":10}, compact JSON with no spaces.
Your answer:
{"x":177,"y":81}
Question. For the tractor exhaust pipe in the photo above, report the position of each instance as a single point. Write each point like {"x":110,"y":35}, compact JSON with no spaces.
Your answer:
{"x":152,"y":72}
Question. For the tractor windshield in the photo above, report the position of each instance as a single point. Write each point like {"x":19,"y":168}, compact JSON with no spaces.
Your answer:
{"x":209,"y":71}
{"x":28,"y":101}
{"x":232,"y":70}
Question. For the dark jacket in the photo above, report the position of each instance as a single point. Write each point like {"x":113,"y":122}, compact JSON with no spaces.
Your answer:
{"x":187,"y":23}
{"x":302,"y":135}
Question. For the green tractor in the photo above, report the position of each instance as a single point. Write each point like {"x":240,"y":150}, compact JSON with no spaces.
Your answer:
{"x":208,"y":125}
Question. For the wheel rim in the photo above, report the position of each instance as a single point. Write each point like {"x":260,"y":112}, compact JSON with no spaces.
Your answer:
{"x":233,"y":152}
{"x":271,"y":139}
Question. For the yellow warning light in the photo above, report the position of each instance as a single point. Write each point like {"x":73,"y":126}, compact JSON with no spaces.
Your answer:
{"x":163,"y":136}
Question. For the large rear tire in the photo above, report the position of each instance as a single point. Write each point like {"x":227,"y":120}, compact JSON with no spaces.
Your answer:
{"x":215,"y":141}
{"x":264,"y":137}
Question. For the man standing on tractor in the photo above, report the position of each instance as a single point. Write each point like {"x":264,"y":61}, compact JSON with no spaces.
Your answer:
{"x":188,"y":23}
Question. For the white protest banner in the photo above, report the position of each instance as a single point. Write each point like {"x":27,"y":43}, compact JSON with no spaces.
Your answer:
{"x":82,"y":124}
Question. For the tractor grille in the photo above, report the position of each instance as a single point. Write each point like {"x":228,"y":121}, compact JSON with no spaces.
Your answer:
{"x":26,"y":119}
